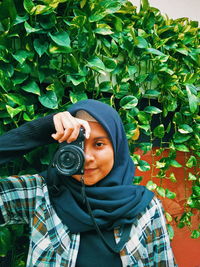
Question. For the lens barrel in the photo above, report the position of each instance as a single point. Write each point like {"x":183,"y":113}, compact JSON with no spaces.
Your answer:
{"x":69,"y":160}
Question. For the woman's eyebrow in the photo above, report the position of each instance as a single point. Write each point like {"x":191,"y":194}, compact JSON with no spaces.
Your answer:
{"x":101,"y":137}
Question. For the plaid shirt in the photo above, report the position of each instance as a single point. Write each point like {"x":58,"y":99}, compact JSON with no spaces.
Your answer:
{"x":25,"y":199}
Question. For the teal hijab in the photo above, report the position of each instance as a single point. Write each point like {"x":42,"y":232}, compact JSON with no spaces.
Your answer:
{"x":114,"y":200}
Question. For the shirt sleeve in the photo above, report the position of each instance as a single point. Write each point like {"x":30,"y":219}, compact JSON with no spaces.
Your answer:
{"x":159,"y":247}
{"x":18,"y":198}
{"x":28,"y":136}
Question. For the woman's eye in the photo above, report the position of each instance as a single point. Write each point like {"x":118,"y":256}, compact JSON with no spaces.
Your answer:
{"x":99,"y":144}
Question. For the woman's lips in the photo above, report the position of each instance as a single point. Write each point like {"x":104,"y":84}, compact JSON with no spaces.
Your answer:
{"x":89,"y":170}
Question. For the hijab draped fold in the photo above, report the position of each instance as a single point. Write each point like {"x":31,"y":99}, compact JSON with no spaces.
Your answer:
{"x":114,"y":200}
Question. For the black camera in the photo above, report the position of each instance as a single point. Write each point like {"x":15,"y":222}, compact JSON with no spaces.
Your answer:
{"x":69,"y":158}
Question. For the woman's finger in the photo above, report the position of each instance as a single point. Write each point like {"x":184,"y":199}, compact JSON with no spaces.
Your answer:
{"x":58,"y":127}
{"x":86,"y":126}
{"x":72,"y":128}
{"x":68,"y":127}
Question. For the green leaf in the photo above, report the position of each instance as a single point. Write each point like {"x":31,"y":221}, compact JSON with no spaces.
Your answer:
{"x":41,"y":10}
{"x":114,"y":47}
{"x":75,"y":96}
{"x":168,"y":217}
{"x":191,"y":177}
{"x":183,"y":51}
{"x":145,"y":147}
{"x":103,"y":29}
{"x":182,"y":148}
{"x":169,"y":194}
{"x":174,"y":163}
{"x":32,"y":87}
{"x":151,"y":185}
{"x":110,"y":64}
{"x":141,"y":78}
{"x":40,"y":46}
{"x":105,"y":87}
{"x":151,"y":93}
{"x":26,"y":68}
{"x":192,"y":161}
{"x":19,"y":19}
{"x":121,"y":90}
{"x":49,"y":100}
{"x":181,"y":225}
{"x":159,"y":131}
{"x":97,"y":63}
{"x":137,"y":179}
{"x":76,"y":79}
{"x":152,"y":110}
{"x":22,"y":55}
{"x":118,"y":24}
{"x":54,"y":49}
{"x":193,"y":100}
{"x":128,"y":102}
{"x":58,"y":88}
{"x":178,"y":118}
{"x":132,"y":70}
{"x":189,"y":79}
{"x":154,"y":52}
{"x":19,"y":78}
{"x":196,"y":190}
{"x":195,"y":234}
{"x":143,"y":166}
{"x":97,"y":16}
{"x":180,"y":138}
{"x":61,"y":38}
{"x":7,"y":69}
{"x":169,"y":127}
{"x":48,"y":22}
{"x":143,"y":117}
{"x":29,"y":6}
{"x":26,"y":117}
{"x":167,"y":70}
{"x":193,"y":203}
{"x":30,"y":29}
{"x":17,"y":98}
{"x":130,"y":129}
{"x":170,"y":231}
{"x":161,"y":191}
{"x":185,"y":129}
{"x":5,"y":241}
{"x":14,"y":111}
{"x":78,"y":21}
{"x":141,"y":42}
{"x":160,"y":165}
{"x":112,"y":6}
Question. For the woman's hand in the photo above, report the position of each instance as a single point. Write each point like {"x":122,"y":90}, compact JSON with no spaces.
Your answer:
{"x":68,"y":127}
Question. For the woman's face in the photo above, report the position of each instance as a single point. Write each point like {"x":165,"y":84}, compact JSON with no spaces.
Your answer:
{"x":99,"y":155}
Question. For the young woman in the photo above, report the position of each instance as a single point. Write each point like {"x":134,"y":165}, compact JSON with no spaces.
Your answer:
{"x":96,"y":219}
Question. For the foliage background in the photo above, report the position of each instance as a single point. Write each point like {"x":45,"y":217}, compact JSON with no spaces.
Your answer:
{"x":57,"y":52}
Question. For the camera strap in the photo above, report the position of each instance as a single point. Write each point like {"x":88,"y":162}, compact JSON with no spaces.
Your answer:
{"x":55,"y":188}
{"x":126,"y":231}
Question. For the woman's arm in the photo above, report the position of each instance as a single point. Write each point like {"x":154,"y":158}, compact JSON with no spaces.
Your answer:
{"x":55,"y":127}
{"x":30,"y":135}
{"x":159,"y":247}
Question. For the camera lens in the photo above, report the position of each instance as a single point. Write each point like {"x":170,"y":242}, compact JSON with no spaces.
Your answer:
{"x":69,"y":160}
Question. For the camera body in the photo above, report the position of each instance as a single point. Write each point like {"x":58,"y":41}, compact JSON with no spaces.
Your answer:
{"x":69,"y":158}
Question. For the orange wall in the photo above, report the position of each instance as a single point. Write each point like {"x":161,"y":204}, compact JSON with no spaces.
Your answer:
{"x":186,"y":249}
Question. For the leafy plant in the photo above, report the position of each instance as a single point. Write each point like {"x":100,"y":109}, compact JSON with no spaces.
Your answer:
{"x":54,"y":53}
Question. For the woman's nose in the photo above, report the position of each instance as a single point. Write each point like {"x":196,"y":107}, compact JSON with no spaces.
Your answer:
{"x":88,"y":154}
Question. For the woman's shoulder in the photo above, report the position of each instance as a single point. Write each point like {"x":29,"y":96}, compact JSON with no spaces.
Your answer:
{"x":153,"y":209}
{"x":155,"y":203}
{"x":22,"y":181}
